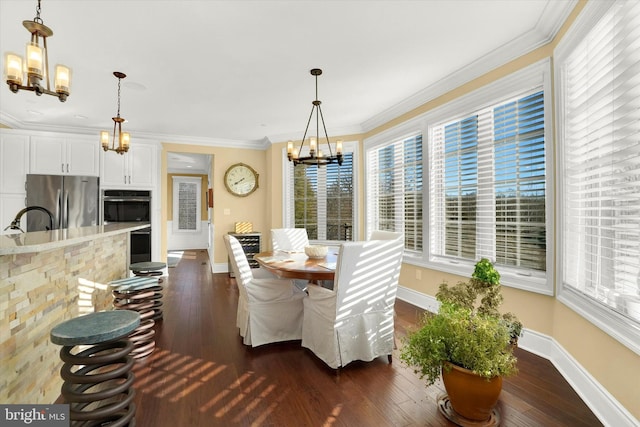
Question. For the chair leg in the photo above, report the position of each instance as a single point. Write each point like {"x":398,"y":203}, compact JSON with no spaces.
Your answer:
{"x":390,"y":358}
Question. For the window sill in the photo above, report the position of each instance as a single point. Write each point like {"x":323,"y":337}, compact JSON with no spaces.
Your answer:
{"x":510,"y":278}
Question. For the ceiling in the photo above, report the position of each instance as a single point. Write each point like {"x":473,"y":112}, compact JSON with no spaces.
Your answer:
{"x":236,"y":72}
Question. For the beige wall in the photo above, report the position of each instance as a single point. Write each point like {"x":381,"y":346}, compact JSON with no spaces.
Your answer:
{"x":253,"y":208}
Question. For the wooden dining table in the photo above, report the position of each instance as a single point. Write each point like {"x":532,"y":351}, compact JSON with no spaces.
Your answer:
{"x":297,"y":265}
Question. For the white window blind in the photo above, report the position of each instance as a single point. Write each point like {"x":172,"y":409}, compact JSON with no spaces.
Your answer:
{"x":487,"y":189}
{"x":600,"y":148}
{"x":323,"y":199}
{"x":395,"y":189}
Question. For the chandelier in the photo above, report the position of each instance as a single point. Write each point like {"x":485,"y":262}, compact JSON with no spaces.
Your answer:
{"x":36,"y":66}
{"x":123,"y":137}
{"x":315,"y":156}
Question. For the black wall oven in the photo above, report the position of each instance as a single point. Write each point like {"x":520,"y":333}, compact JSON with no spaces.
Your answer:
{"x":130,"y":206}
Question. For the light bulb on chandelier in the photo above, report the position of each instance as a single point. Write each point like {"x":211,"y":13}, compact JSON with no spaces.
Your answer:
{"x":36,"y":66}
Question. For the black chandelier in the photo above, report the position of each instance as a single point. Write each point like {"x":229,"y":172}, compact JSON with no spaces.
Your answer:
{"x":315,"y":156}
{"x":36,"y":64}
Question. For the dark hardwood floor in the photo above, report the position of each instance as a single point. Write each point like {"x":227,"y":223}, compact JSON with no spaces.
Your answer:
{"x":202,"y":375}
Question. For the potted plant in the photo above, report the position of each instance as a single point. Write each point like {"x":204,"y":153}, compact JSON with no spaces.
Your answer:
{"x":468,"y":342}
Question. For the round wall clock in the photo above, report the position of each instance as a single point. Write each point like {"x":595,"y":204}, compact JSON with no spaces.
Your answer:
{"x":241,"y":179}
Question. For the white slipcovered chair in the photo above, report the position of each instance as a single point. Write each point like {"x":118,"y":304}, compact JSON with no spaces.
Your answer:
{"x":355,"y":320}
{"x":289,"y":239}
{"x":384,"y":235}
{"x":269,"y":309}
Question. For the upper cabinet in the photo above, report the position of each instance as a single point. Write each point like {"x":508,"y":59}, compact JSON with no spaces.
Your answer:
{"x":64,"y":155}
{"x":14,"y":162}
{"x":136,"y":168}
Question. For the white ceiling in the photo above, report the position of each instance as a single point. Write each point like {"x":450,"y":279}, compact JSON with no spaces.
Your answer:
{"x":237,"y":72}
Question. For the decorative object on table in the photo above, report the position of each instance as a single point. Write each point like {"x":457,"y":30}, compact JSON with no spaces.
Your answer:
{"x":316,"y":251}
{"x":243,"y":227}
{"x":123,"y":137}
{"x":37,"y":64}
{"x":315,"y":156}
{"x":468,"y":339}
{"x":241,"y":179}
{"x":98,"y":382}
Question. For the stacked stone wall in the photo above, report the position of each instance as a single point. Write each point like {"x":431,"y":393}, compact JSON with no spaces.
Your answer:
{"x":41,"y":290}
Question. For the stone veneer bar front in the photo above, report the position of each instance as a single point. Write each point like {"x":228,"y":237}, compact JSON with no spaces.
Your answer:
{"x":47,"y":277}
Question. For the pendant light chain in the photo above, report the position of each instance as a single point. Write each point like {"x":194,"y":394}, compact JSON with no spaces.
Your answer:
{"x":37,"y":18}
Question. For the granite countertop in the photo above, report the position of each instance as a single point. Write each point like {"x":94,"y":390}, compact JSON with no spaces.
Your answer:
{"x":38,"y":241}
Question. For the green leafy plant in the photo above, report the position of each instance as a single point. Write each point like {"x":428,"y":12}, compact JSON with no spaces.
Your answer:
{"x":468,"y":330}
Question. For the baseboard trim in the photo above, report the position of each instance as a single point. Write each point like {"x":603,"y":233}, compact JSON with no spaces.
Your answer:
{"x":604,"y":406}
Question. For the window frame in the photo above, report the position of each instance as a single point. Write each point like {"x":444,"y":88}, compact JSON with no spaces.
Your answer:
{"x":611,"y":322}
{"x":288,"y":208}
{"x":537,"y":75}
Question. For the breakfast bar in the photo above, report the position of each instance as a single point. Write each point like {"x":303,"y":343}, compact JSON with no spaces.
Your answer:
{"x":47,"y":277}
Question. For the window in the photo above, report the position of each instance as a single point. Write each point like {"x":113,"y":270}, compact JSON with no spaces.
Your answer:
{"x":394,"y":200}
{"x":471,"y":179}
{"x":488,"y":195}
{"x":322,"y":198}
{"x":599,"y":147}
{"x":187,"y":199}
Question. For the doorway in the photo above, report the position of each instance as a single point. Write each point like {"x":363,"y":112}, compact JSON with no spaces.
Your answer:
{"x":181,"y":169}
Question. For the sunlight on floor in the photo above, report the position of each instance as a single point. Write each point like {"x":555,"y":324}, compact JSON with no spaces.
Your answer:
{"x":174,"y":257}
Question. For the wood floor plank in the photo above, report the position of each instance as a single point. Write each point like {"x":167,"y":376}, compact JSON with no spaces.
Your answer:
{"x":202,"y":375}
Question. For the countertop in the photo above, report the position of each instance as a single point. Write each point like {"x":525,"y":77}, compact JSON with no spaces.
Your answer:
{"x":38,"y":241}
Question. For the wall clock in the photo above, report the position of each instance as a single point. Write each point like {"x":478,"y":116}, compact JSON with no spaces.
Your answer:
{"x":241,"y":179}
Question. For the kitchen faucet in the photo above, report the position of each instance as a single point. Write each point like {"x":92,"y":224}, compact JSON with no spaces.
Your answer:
{"x":15,"y":224}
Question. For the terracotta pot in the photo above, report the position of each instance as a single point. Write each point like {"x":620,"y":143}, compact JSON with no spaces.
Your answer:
{"x":471,"y":395}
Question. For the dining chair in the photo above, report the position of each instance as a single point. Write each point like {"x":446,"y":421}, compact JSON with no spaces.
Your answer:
{"x":355,"y":320}
{"x":269,"y":309}
{"x":289,"y":239}
{"x":384,"y":235}
{"x":293,"y":240}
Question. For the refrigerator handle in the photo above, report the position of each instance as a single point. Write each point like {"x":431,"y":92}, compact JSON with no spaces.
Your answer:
{"x":58,"y":208}
{"x":65,"y":207}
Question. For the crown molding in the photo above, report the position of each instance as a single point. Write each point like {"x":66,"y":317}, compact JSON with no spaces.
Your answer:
{"x":554,"y":16}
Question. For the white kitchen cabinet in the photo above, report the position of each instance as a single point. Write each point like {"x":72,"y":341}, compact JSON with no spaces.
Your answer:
{"x":64,"y":155}
{"x":10,"y":205}
{"x":136,"y":168}
{"x":14,"y":162}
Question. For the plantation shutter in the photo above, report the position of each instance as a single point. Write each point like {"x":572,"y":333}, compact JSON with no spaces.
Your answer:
{"x":323,"y":199}
{"x":487,"y":195}
{"x":395,"y":190}
{"x":520,"y":183}
{"x":601,"y":151}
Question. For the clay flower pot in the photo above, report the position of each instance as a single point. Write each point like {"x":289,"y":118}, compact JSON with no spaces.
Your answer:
{"x":471,"y":396}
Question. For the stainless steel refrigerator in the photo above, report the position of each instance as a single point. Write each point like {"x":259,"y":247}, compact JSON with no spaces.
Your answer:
{"x":74,"y":201}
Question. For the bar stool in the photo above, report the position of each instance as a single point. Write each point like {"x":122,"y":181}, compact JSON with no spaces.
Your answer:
{"x":146,"y":269}
{"x":138,"y":294}
{"x":100,"y":388}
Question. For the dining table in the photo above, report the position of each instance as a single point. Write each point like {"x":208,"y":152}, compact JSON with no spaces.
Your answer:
{"x":297,"y":265}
